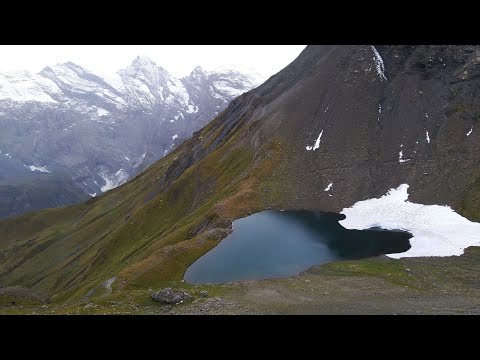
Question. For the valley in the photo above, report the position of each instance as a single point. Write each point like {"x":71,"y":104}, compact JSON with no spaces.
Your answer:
{"x":339,"y":127}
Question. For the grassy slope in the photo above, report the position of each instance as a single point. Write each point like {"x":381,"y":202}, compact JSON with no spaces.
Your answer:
{"x":145,"y":232}
{"x":43,"y":190}
{"x":373,"y":286}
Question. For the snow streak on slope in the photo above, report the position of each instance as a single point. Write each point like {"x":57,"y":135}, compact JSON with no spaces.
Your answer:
{"x":400,"y":156}
{"x":437,"y":230}
{"x":379,"y":63}
{"x":317,"y":143}
{"x":37,"y":168}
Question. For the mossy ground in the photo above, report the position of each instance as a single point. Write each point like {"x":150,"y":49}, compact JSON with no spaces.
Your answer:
{"x":372,"y":286}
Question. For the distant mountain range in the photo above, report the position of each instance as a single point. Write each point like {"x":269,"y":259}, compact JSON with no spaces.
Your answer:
{"x":341,"y":128}
{"x":96,"y":132}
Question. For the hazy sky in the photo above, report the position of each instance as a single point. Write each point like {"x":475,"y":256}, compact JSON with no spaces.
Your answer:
{"x":177,"y":59}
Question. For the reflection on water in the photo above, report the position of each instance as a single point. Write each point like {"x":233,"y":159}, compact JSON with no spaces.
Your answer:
{"x":274,"y":244}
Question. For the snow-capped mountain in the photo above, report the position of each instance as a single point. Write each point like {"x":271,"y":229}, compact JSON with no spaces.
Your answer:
{"x":102,"y":130}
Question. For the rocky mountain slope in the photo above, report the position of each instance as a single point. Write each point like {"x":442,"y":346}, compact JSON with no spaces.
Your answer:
{"x":101,"y":131}
{"x":338,"y":125}
{"x":36,"y":191}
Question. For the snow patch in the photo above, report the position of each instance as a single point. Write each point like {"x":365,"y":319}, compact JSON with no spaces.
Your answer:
{"x":178,"y":92}
{"x":92,"y":195}
{"x":112,"y":182}
{"x":22,"y":87}
{"x":226,"y":88}
{"x":214,"y":93}
{"x":468,"y":134}
{"x":317,"y":143}
{"x":328,"y":187}
{"x":192,"y":109}
{"x":437,"y":230}
{"x":400,"y":156}
{"x":428,"y":136}
{"x":109,"y":184}
{"x":42,"y":169}
{"x":102,"y":112}
{"x":174,"y":136}
{"x":114,"y":80}
{"x":140,"y":159}
{"x":379,"y":63}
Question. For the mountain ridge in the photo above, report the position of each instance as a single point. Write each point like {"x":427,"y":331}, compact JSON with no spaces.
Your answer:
{"x":102,"y":131}
{"x":328,"y":120}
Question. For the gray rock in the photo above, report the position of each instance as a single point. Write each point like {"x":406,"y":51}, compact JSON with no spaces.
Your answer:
{"x":203,"y":293}
{"x":169,"y":296}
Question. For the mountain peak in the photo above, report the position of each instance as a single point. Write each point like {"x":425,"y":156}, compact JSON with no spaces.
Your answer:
{"x":198,"y":69}
{"x":66,"y":66}
{"x":143,"y":61}
{"x":145,"y":66}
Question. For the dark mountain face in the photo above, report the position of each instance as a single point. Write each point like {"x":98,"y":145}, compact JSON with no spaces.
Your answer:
{"x":102,"y":131}
{"x":338,"y":118}
{"x":363,"y":118}
{"x":412,"y":123}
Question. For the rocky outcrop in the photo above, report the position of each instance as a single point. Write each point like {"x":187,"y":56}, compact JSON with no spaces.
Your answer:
{"x":169,"y":296}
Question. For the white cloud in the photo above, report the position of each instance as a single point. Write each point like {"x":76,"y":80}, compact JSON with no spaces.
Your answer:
{"x":177,"y":59}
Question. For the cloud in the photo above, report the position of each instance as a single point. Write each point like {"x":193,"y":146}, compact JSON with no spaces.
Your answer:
{"x":177,"y":59}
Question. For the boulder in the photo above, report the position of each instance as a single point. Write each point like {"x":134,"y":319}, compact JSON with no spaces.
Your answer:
{"x":169,"y":296}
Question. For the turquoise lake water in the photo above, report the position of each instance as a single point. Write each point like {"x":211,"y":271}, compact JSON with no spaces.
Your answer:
{"x":273,"y":244}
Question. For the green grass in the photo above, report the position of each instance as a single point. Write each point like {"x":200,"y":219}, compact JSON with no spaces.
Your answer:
{"x":145,"y":240}
{"x":391,"y":270}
